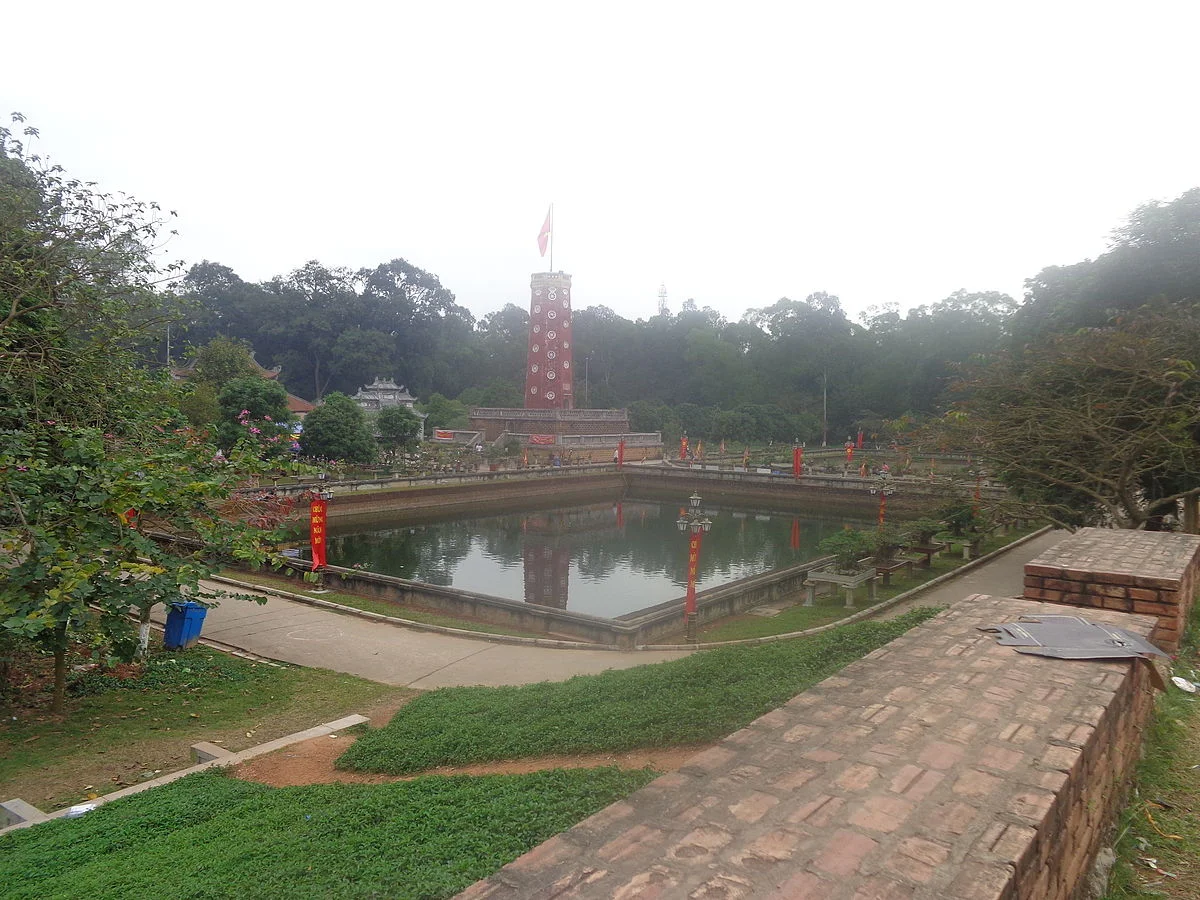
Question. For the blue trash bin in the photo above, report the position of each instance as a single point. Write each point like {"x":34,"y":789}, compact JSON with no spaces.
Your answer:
{"x":184,"y":621}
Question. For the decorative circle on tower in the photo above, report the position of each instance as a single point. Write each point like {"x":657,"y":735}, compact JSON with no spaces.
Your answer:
{"x":566,"y":303}
{"x":538,"y":292}
{"x":566,"y":364}
{"x":551,"y":374}
{"x":533,"y":390}
{"x":549,"y":395}
{"x":566,"y":345}
{"x":551,"y":294}
{"x":534,"y":368}
{"x":551,"y":335}
{"x":550,"y":354}
{"x":551,"y":314}
{"x":536,"y":347}
{"x":537,"y":307}
{"x":537,"y":329}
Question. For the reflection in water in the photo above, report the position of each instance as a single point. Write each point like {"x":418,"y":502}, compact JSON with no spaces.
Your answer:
{"x":609,"y":559}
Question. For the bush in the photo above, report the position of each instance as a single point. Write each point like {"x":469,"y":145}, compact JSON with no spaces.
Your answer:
{"x":848,"y":547}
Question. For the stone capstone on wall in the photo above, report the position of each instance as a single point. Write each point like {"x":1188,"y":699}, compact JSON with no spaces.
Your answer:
{"x":1147,"y":572}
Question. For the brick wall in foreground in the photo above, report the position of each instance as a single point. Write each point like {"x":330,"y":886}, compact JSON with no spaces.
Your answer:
{"x":941,"y":766}
{"x":1152,"y":573}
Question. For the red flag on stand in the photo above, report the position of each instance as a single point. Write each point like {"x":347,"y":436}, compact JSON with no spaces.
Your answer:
{"x":544,"y":234}
{"x":316,"y":532}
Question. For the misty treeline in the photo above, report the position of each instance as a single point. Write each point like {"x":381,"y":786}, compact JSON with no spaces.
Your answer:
{"x":768,"y":376}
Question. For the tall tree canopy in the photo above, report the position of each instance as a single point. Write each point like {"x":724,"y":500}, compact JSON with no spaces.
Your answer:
{"x":93,"y":453}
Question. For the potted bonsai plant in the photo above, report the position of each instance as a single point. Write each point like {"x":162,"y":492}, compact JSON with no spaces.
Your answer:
{"x":888,"y":540}
{"x":921,"y":531}
{"x":848,"y":547}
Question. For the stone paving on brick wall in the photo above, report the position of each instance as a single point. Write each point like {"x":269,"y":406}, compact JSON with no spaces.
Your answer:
{"x":936,"y":767}
{"x":1148,"y":572}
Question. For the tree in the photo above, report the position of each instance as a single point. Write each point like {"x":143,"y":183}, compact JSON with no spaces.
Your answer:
{"x":1155,"y":254}
{"x":254,"y":409}
{"x":222,"y":360}
{"x":1101,"y":426}
{"x":337,"y":429}
{"x":90,"y":441}
{"x":398,"y":427}
{"x":444,"y":413}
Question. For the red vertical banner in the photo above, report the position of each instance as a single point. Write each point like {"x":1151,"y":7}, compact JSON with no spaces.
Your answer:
{"x":620,"y":453}
{"x":860,"y":440}
{"x":689,"y":607}
{"x":316,"y":532}
{"x":794,"y":543}
{"x":797,"y":461}
{"x":683,"y":447}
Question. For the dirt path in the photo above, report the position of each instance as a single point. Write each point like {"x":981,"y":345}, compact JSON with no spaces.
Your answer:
{"x":311,"y":761}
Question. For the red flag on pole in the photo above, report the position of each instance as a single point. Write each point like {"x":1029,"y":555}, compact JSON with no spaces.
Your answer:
{"x":544,"y":234}
{"x":620,"y":453}
{"x":316,"y":532}
{"x":860,"y":440}
{"x":797,"y":461}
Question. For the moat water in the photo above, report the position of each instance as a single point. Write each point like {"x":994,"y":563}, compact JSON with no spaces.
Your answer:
{"x":603,"y":559}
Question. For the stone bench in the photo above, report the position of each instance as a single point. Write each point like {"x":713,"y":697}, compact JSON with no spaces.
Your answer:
{"x":1147,"y":572}
{"x":940,"y":766}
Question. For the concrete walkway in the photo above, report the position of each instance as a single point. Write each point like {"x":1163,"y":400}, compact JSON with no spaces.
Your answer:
{"x":293,"y":632}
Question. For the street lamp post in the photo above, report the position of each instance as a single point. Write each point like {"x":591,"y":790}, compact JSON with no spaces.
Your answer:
{"x":883,"y":486}
{"x":695,"y":524}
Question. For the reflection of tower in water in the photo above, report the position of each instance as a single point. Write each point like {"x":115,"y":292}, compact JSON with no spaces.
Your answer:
{"x":548,"y":546}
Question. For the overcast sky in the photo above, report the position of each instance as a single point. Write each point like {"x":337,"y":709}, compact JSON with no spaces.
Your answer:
{"x":735,"y":152}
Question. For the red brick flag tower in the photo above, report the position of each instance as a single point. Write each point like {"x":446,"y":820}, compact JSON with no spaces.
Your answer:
{"x":549,"y":381}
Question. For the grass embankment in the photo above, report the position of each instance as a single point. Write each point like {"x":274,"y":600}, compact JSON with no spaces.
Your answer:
{"x":831,"y":608}
{"x":381,"y":607}
{"x":119,"y":732}
{"x":701,"y":697}
{"x":214,"y":836}
{"x":1158,"y":845}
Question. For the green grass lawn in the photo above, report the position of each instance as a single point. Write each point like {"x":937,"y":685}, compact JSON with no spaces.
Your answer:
{"x":701,"y":697}
{"x":212,"y":836}
{"x":117,"y":733}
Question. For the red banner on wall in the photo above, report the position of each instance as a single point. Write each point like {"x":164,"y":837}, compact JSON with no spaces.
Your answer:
{"x":441,"y":434}
{"x":541,"y":439}
{"x":316,"y":532}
